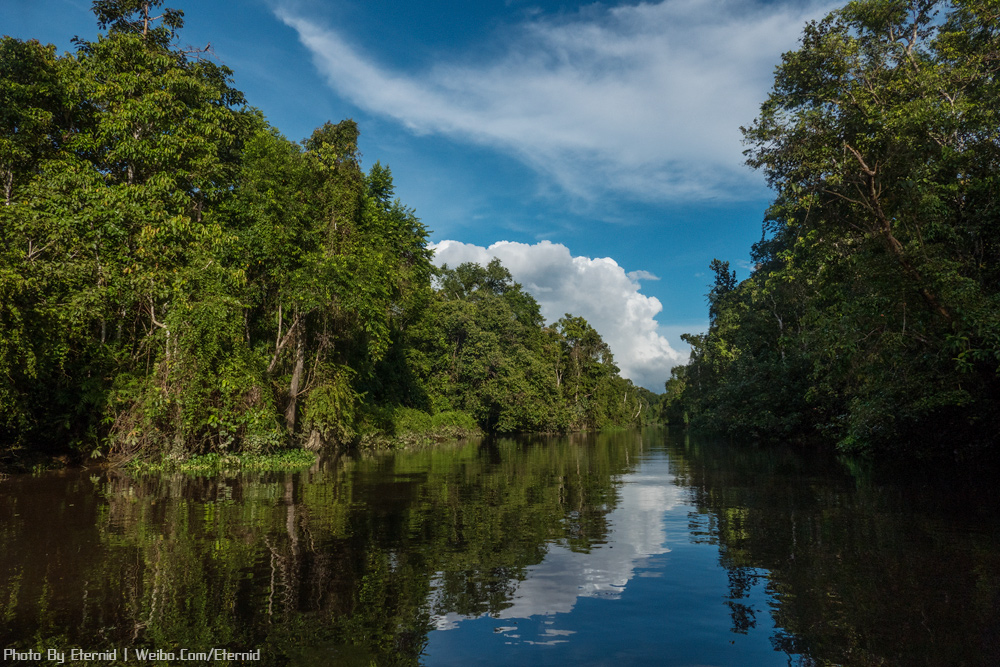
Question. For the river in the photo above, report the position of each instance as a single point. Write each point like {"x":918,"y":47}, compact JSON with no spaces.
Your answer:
{"x":626,"y":548}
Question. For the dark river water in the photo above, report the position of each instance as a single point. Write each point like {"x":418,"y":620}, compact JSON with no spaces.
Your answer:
{"x":630,"y":548}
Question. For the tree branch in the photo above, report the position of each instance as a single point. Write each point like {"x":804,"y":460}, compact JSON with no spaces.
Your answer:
{"x":152,"y":317}
{"x":34,"y":252}
{"x":283,"y":343}
{"x":864,"y":166}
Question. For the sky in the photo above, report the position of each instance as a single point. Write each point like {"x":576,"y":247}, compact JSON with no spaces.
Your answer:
{"x":595,"y":148}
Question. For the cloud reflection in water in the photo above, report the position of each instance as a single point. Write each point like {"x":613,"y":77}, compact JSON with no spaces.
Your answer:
{"x":636,"y":533}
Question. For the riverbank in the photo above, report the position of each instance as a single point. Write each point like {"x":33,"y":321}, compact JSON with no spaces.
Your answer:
{"x":380,"y":429}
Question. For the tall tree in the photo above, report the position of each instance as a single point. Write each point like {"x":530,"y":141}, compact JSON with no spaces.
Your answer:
{"x":876,"y":289}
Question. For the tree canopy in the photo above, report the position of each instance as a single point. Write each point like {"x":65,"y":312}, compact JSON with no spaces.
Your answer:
{"x":177,"y":277}
{"x":872,"y":316}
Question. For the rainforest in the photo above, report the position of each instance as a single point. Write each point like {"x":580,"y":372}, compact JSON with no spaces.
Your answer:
{"x":178,"y":278}
{"x":245,"y":415}
{"x":871,"y":319}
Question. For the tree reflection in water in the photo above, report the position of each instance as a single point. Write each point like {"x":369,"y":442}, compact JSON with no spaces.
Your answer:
{"x":858,"y":572}
{"x":336,"y":562}
{"x":360,"y":560}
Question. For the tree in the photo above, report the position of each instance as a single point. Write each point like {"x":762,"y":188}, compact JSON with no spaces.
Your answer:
{"x":876,"y":290}
{"x":133,"y":16}
{"x":34,"y":96}
{"x":177,"y":277}
{"x":725,"y":282}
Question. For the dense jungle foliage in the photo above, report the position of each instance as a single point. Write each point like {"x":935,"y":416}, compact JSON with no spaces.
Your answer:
{"x":177,"y":277}
{"x":872,"y":316}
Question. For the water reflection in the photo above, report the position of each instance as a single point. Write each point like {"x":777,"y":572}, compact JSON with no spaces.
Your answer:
{"x":635,"y":532}
{"x":858,"y":571}
{"x":627,"y":548}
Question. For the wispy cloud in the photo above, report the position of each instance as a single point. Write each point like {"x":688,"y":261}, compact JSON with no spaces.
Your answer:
{"x":596,"y":289}
{"x":642,"y":275}
{"x":643,"y":100}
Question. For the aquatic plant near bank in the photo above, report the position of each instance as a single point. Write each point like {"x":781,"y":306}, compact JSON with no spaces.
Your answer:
{"x":213,"y":463}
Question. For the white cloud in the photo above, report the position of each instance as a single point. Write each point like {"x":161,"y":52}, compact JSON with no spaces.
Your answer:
{"x":642,"y":275}
{"x":597,"y":289}
{"x":644,"y":100}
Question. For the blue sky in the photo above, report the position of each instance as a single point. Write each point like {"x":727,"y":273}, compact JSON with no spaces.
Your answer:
{"x":599,"y":140}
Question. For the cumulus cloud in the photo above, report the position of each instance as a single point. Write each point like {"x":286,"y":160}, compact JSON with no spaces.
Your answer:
{"x":596,"y":289}
{"x":643,"y":100}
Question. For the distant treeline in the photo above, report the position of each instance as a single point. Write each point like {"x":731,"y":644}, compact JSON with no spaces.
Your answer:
{"x":176,"y":277}
{"x":872,"y":316}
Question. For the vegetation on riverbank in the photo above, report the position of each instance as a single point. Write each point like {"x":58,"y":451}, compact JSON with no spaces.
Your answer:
{"x":210,"y":464}
{"x":177,"y":278}
{"x":872,"y":315}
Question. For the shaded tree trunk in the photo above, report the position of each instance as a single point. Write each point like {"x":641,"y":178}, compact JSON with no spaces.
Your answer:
{"x":293,"y":388}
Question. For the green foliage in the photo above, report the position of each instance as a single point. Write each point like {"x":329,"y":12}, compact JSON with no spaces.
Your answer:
{"x":414,"y":421}
{"x":178,"y":278}
{"x":156,"y":236}
{"x":133,"y":16}
{"x":454,"y":419}
{"x":482,"y":347}
{"x":393,"y":427}
{"x":330,"y":410}
{"x":671,"y":406}
{"x":870,"y":317}
{"x":214,"y":464}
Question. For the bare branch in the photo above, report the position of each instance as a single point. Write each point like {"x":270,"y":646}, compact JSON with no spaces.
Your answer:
{"x":864,"y":166}
{"x":283,"y":343}
{"x":34,"y":252}
{"x":152,"y":317}
{"x":834,"y":193}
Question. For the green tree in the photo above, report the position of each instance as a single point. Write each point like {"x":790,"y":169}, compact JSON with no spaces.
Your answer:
{"x":178,"y":277}
{"x":33,"y":99}
{"x":873,"y":311}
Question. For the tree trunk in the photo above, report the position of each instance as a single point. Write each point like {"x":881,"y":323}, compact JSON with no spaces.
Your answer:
{"x":293,"y":388}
